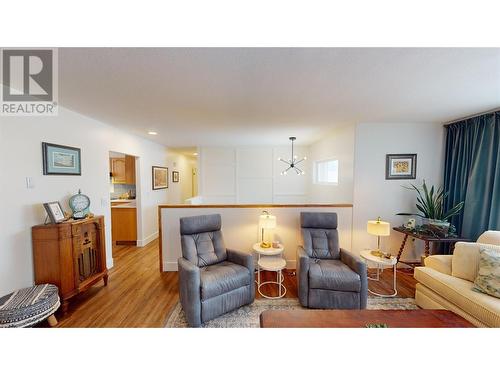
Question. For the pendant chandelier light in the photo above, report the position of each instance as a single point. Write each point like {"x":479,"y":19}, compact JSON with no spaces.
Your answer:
{"x":293,"y":161}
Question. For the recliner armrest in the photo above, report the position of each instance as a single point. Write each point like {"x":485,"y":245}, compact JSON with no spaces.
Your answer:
{"x":303,"y":263}
{"x":354,"y":263}
{"x":358,"y":266}
{"x":241,"y":258}
{"x":245,"y":260}
{"x":189,"y":291}
{"x":440,"y":263}
{"x":301,"y":254}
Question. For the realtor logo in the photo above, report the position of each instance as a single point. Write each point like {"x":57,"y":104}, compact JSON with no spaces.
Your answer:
{"x":29,"y":82}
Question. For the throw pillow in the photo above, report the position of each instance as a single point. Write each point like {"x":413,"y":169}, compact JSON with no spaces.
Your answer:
{"x":488,"y":277}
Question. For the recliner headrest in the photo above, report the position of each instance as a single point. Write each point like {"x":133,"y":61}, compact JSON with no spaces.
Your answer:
{"x":323,"y":220}
{"x":200,"y":224}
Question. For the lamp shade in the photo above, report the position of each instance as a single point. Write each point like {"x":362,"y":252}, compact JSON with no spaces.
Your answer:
{"x":378,"y":228}
{"x":267,"y":221}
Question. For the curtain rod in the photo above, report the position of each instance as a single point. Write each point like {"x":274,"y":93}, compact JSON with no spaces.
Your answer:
{"x":472,"y":116}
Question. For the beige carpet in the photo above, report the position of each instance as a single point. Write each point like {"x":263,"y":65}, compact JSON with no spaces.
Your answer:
{"x":248,"y":316}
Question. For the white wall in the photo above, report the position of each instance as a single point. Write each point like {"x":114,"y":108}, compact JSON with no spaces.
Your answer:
{"x":375,"y":196}
{"x":250,"y":175}
{"x":339,"y":145}
{"x":21,"y":157}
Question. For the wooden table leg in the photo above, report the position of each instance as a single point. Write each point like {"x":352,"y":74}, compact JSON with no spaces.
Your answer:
{"x":64,"y":307}
{"x":52,"y":320}
{"x":402,"y":246}
{"x":427,"y":249}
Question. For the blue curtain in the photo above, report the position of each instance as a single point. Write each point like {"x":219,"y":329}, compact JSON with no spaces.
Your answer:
{"x":472,"y":173}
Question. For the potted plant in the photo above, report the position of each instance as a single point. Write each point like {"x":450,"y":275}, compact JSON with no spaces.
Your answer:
{"x":430,"y":203}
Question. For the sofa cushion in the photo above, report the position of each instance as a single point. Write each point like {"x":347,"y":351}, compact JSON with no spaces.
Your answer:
{"x":441,"y":263}
{"x":204,"y":249}
{"x":201,"y":240}
{"x":491,"y":237}
{"x":321,"y":243}
{"x":333,"y":275}
{"x":320,"y":235}
{"x":459,"y":292}
{"x":465,"y":262}
{"x":221,"y":278}
{"x":488,"y":277}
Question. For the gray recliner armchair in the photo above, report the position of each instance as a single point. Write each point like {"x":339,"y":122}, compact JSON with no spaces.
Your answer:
{"x":328,"y":277}
{"x":213,"y":280}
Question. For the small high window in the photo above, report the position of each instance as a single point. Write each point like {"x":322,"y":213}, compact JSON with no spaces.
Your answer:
{"x":326,"y":172}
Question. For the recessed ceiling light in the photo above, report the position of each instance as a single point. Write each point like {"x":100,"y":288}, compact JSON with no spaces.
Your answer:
{"x":195,"y":154}
{"x":152,"y":133}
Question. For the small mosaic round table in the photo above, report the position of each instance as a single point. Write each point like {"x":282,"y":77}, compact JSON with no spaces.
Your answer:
{"x":381,"y":263}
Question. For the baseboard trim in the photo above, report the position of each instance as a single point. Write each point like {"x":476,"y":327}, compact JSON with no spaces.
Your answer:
{"x":170,"y":266}
{"x":126,"y":243}
{"x":148,"y":239}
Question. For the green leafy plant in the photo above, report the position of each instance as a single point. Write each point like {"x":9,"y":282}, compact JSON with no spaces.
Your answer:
{"x":430,"y":203}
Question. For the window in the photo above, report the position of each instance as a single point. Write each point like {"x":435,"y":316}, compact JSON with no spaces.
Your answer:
{"x":326,"y":172}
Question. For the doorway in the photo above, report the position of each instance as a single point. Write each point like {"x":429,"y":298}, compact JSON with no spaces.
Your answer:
{"x":194,"y":182}
{"x":123,"y":188}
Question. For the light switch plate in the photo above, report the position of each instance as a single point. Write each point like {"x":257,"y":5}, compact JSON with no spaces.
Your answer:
{"x":30,"y":183}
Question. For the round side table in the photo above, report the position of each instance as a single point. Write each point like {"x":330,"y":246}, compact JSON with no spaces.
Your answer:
{"x":381,"y":264}
{"x":268,"y":261}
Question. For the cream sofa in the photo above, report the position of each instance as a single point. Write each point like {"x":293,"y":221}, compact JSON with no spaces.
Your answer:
{"x":446,"y":283}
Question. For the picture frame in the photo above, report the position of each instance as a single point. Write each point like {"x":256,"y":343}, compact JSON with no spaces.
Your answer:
{"x":400,"y":166}
{"x":175,"y":176}
{"x":160,"y":177}
{"x":55,"y":212}
{"x":59,"y":160}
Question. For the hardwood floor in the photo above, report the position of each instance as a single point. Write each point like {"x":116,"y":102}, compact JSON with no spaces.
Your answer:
{"x":138,"y":295}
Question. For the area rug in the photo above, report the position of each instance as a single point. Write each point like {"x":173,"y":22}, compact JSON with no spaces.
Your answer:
{"x":248,"y":316}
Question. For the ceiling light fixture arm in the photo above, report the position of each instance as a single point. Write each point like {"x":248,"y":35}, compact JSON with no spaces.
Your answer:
{"x":292,"y":162}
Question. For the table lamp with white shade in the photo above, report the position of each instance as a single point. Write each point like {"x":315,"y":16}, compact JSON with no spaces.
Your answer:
{"x":266,"y":221}
{"x":378,"y":228}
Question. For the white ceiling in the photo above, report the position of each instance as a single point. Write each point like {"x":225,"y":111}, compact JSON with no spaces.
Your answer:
{"x":218,"y":96}
{"x":186,"y":151}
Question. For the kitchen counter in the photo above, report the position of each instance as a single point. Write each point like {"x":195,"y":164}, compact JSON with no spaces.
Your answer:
{"x":123,"y":203}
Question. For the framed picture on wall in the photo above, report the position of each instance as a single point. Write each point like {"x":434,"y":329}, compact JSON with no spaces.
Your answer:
{"x":400,"y":166}
{"x":175,"y":176}
{"x":61,"y":160}
{"x":160,"y":178}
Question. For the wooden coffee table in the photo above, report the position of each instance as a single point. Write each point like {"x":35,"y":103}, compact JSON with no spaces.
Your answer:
{"x":360,"y":318}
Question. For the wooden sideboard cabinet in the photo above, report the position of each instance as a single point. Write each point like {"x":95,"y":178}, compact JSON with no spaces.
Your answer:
{"x":71,"y":255}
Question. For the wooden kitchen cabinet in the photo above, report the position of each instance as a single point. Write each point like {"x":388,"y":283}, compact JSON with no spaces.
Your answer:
{"x":129,"y":170}
{"x":124,"y":225}
{"x":118,"y":170}
{"x":123,"y":170}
